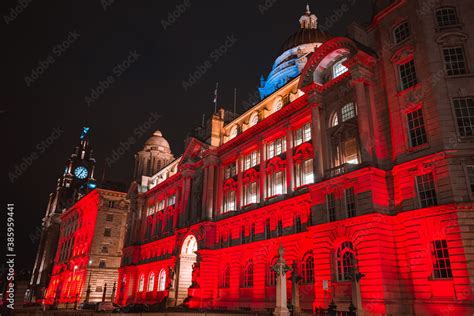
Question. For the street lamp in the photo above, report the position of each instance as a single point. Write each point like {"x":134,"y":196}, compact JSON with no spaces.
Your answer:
{"x":88,"y":292}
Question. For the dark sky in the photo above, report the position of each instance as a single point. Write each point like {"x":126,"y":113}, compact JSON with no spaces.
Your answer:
{"x":32,"y":107}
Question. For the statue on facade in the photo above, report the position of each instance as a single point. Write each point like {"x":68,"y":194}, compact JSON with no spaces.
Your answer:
{"x":280,"y":269}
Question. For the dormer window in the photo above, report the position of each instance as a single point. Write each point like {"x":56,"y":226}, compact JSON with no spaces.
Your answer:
{"x":338,"y":68}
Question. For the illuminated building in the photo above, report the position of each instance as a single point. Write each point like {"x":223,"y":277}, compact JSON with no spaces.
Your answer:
{"x":76,"y":181}
{"x":358,"y":160}
{"x":89,"y":249}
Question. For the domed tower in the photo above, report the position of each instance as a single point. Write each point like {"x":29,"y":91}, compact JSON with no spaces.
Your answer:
{"x":293,"y":54}
{"x":155,"y":155}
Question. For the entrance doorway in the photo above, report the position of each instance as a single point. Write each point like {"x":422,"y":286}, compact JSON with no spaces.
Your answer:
{"x":187,"y":258}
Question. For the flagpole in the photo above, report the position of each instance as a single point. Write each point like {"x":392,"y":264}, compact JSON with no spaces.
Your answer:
{"x":215,"y":97}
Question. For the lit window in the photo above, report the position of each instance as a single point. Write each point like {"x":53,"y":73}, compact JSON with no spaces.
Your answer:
{"x":247,"y":278}
{"x":416,"y":128}
{"x":230,"y":170}
{"x":161,"y":205}
{"x":442,"y":263}
{"x":350,"y":202}
{"x":331,"y":206}
{"x":141,"y":283}
{"x":251,"y":160}
{"x":407,"y":75}
{"x":351,"y":152}
{"x":464,"y":109}
{"x":250,"y":193}
{"x":276,"y":183}
{"x":346,"y":261}
{"x":229,"y":201}
{"x":454,"y":61}
{"x":162,"y":280}
{"x":446,"y":17}
{"x":304,"y":172}
{"x":172,"y":200}
{"x":426,"y":190}
{"x":225,"y":278}
{"x":253,"y":119}
{"x":470,"y":174}
{"x":401,"y":32}
{"x":276,"y":148}
{"x":338,"y":68}
{"x":348,"y":111}
{"x":151,"y":282}
{"x":307,"y":270}
{"x":302,"y":134}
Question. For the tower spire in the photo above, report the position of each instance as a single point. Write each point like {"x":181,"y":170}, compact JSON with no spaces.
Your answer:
{"x":308,"y":20}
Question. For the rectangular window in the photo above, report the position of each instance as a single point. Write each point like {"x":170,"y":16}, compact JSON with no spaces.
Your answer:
{"x":252,"y":232}
{"x":454,"y":61}
{"x":302,"y":135}
{"x":331,"y":206}
{"x":230,"y":170}
{"x":298,"y":227}
{"x":276,"y":148}
{"x":251,"y":160}
{"x":109,"y":217}
{"x":172,"y":200}
{"x":401,"y":32}
{"x":276,"y":183}
{"x":229,"y":201}
{"x":470,"y":174}
{"x":107,"y":232}
{"x":442,"y":263}
{"x":267,"y":229}
{"x":426,"y":190}
{"x":304,"y":172}
{"x":407,"y":74}
{"x":229,"y":238}
{"x":104,"y":249}
{"x":348,"y":111}
{"x":250,"y":193}
{"x":161,"y":205}
{"x":280,"y":228}
{"x":242,"y":235}
{"x":464,"y":110}
{"x":350,"y":202}
{"x":351,"y":153}
{"x":446,"y":17}
{"x":416,"y":128}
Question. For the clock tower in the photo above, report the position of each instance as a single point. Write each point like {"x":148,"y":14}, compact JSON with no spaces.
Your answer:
{"x":76,"y":181}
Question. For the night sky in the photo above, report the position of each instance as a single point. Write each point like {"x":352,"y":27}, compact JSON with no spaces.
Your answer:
{"x":138,"y":61}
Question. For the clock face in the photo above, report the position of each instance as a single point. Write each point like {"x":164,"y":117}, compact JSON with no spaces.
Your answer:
{"x":81,"y":172}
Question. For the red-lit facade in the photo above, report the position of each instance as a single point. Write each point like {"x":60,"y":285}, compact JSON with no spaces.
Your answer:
{"x":357,"y":164}
{"x":89,"y":248}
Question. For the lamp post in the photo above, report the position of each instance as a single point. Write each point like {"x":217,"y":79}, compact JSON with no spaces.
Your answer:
{"x":88,"y":291}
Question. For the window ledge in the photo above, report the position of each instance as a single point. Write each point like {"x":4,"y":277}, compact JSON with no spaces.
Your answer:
{"x":401,"y":93}
{"x":418,"y":148}
{"x":447,"y":27}
{"x":467,"y":75}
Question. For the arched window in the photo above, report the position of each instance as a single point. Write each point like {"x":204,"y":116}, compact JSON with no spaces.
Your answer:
{"x":151,"y":282}
{"x":333,"y":121}
{"x":141,"y":283}
{"x":247,"y":277}
{"x":225,"y":278}
{"x":271,"y":276}
{"x":446,"y":16}
{"x":346,"y":261}
{"x":162,"y":280}
{"x":307,"y":269}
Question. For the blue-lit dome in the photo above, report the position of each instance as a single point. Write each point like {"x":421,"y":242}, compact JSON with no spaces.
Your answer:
{"x":294,"y":53}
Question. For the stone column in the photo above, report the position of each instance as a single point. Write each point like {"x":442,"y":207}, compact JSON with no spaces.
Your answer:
{"x":295,"y":291}
{"x":318,"y":136}
{"x":289,"y":160}
{"x":262,"y":172}
{"x":219,"y":191}
{"x":280,"y":269}
{"x":238,"y":195}
{"x":210,"y":165}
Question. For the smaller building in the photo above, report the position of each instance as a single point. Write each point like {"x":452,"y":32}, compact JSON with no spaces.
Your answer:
{"x":89,"y":250}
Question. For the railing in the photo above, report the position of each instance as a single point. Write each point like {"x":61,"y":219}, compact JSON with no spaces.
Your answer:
{"x":342,"y":169}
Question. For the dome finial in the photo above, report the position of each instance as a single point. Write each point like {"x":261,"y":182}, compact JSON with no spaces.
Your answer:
{"x":308,"y":20}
